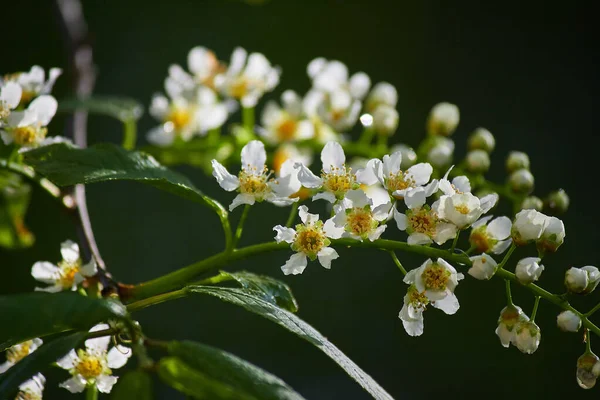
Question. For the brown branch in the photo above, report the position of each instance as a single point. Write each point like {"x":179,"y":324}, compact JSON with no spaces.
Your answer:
{"x":83,"y":77}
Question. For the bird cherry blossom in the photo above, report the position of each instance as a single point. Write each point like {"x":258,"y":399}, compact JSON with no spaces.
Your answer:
{"x":10,"y":96}
{"x":483,"y":267}
{"x":34,"y":83}
{"x":32,"y":389}
{"x":27,"y":128}
{"x":529,"y":270}
{"x":19,"y":351}
{"x":287,"y":123}
{"x":491,"y":235}
{"x":411,"y":314}
{"x":509,"y":318}
{"x":359,"y":219}
{"x":528,"y":226}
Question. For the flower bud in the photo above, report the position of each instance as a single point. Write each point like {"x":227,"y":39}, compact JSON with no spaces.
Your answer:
{"x":587,"y":370}
{"x":481,"y":139}
{"x":582,"y":280}
{"x":568,"y":321}
{"x":443,"y":119}
{"x":409,"y":156}
{"x":529,"y":270}
{"x":558,"y":202}
{"x":528,"y":226}
{"x":484,"y":267}
{"x":521,"y":181}
{"x":510,"y":316}
{"x":478,"y":161}
{"x":532,"y":203}
{"x":441,"y":153}
{"x":382,"y":93}
{"x":385,"y":120}
{"x":552,"y":236}
{"x":517,"y":160}
{"x":527,"y":337}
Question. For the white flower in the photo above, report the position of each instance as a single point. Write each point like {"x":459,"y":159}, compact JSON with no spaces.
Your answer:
{"x":359,"y":219}
{"x":582,"y":280}
{"x":493,"y":236}
{"x":411,"y":314}
{"x":67,"y":274}
{"x":400,"y":184}
{"x":528,"y":226}
{"x":440,"y":154}
{"x":383,"y":93}
{"x":510,"y":316}
{"x":529,"y":270}
{"x":285,"y":124}
{"x":552,"y":236}
{"x":335,"y":180}
{"x":332,"y":76}
{"x":27,"y":128}
{"x":10,"y":96}
{"x":248,"y":77}
{"x":588,"y":370}
{"x":484,"y":267}
{"x":443,"y":119}
{"x":568,"y":321}
{"x":422,"y":223}
{"x":253,"y":181}
{"x":437,"y":280}
{"x":204,"y":65}
{"x":527,"y":337}
{"x":183,"y":117}
{"x":385,"y":120}
{"x":309,"y":239}
{"x":34,"y":83}
{"x":337,"y":109}
{"x":32,"y":389}
{"x":18,"y":352}
{"x":93,"y":365}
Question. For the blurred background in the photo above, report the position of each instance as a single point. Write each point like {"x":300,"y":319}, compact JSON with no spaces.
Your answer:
{"x":525,"y":71}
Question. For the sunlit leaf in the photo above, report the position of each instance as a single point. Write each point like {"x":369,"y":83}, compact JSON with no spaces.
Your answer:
{"x":133,"y":385}
{"x":232,"y":371}
{"x":295,"y":325}
{"x":37,"y":314}
{"x":269,"y":289}
{"x":38,"y":361}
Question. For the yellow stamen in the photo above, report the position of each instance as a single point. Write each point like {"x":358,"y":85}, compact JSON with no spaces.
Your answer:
{"x":436,"y":277}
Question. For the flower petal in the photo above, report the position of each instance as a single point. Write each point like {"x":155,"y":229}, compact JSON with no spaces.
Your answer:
{"x":240,"y":199}
{"x":68,"y":361}
{"x":376,"y":234}
{"x":45,"y":272}
{"x":104,"y":383}
{"x":326,"y":256}
{"x":254,"y":157}
{"x":76,"y":384}
{"x":10,"y":94}
{"x":159,"y":136}
{"x":420,"y":173}
{"x":401,"y":220}
{"x":462,"y":184}
{"x":448,"y":304}
{"x":358,"y":198}
{"x":89,"y":269}
{"x":69,"y":251}
{"x":284,"y":234}
{"x":295,"y":265}
{"x":500,"y":228}
{"x":415,"y":198}
{"x":226,"y":180}
{"x":391,"y":164}
{"x":331,"y":230}
{"x":45,"y":107}
{"x":330,"y":197}
{"x":488,"y":202}
{"x":368,"y":175}
{"x":307,"y":178}
{"x":98,"y":345}
{"x":118,"y":356}
{"x":359,"y":85}
{"x":418,"y":239}
{"x":332,"y":157}
{"x":382,"y":211}
{"x":5,"y":366}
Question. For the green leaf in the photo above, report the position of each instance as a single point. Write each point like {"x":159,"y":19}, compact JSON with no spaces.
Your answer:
{"x":179,"y":375}
{"x":122,"y":108}
{"x":37,"y":361}
{"x":295,"y":325}
{"x":133,"y":385}
{"x":269,"y":289}
{"x":66,"y":165}
{"x":27,"y":316}
{"x":232,"y":371}
{"x":14,"y":201}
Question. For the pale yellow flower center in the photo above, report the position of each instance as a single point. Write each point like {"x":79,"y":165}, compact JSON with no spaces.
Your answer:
{"x":28,"y":135}
{"x":417,"y":299}
{"x":436,"y":277}
{"x":338,"y":181}
{"x":91,"y":365}
{"x":462,"y":208}
{"x":360,"y":221}
{"x":399,"y":181}
{"x":422,"y":221}
{"x":18,"y":352}
{"x":239,"y":88}
{"x":68,"y":271}
{"x":286,"y":130}
{"x":310,"y":239}
{"x":180,"y":117}
{"x":256,"y":185}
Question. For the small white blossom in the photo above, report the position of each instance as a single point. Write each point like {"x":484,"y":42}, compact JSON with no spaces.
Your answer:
{"x":409,"y":155}
{"x":582,"y":280}
{"x":253,"y":181}
{"x":336,"y":179}
{"x":527,"y":337}
{"x":32,"y":389}
{"x":484,"y":267}
{"x":529,"y":270}
{"x":67,"y":274}
{"x":528,"y":226}
{"x":517,"y":160}
{"x":27,"y":128}
{"x":18,"y":352}
{"x":34,"y":82}
{"x":443,"y":119}
{"x":287,"y":124}
{"x":553,"y":235}
{"x":509,"y":318}
{"x":332,"y":76}
{"x":248,"y":77}
{"x":359,"y":219}
{"x":93,"y":366}
{"x":440,"y":155}
{"x":437,"y":280}
{"x":309,"y":239}
{"x":411,"y":314}
{"x":568,"y":321}
{"x":337,"y":109}
{"x":10,"y":96}
{"x":383,"y":93}
{"x":385,"y":120}
{"x":423,"y":224}
{"x":491,"y":236}
{"x":204,"y":65}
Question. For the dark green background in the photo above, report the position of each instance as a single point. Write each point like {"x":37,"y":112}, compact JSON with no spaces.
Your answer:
{"x":525,"y":72}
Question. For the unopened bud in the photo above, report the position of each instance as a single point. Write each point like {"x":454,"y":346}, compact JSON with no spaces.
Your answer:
{"x":568,"y":321}
{"x":527,"y":337}
{"x":510,"y":317}
{"x":478,"y":161}
{"x":443,"y":119}
{"x":517,"y":160}
{"x":552,"y":236}
{"x":528,"y":226}
{"x":483,"y":267}
{"x":521,"y":181}
{"x":529,"y":270}
{"x":481,"y":139}
{"x":587,"y":370}
{"x":382,"y":93}
{"x":385,"y":120}
{"x":558,"y":202}
{"x":532,"y":203}
{"x":582,"y":280}
{"x":409,"y":156}
{"x":441,"y":153}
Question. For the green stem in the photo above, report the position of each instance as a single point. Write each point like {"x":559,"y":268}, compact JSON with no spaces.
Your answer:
{"x":535,"y":308}
{"x":129,"y":134}
{"x":248,"y":118}
{"x":588,"y":341}
{"x":91,"y":392}
{"x":366,"y":136}
{"x":398,"y":263}
{"x":161,"y":298}
{"x":593,"y":310}
{"x":293,"y":213}
{"x":455,"y":241}
{"x":508,"y":293}
{"x":507,"y":256}
{"x":240,"y":226}
{"x":471,"y":250}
